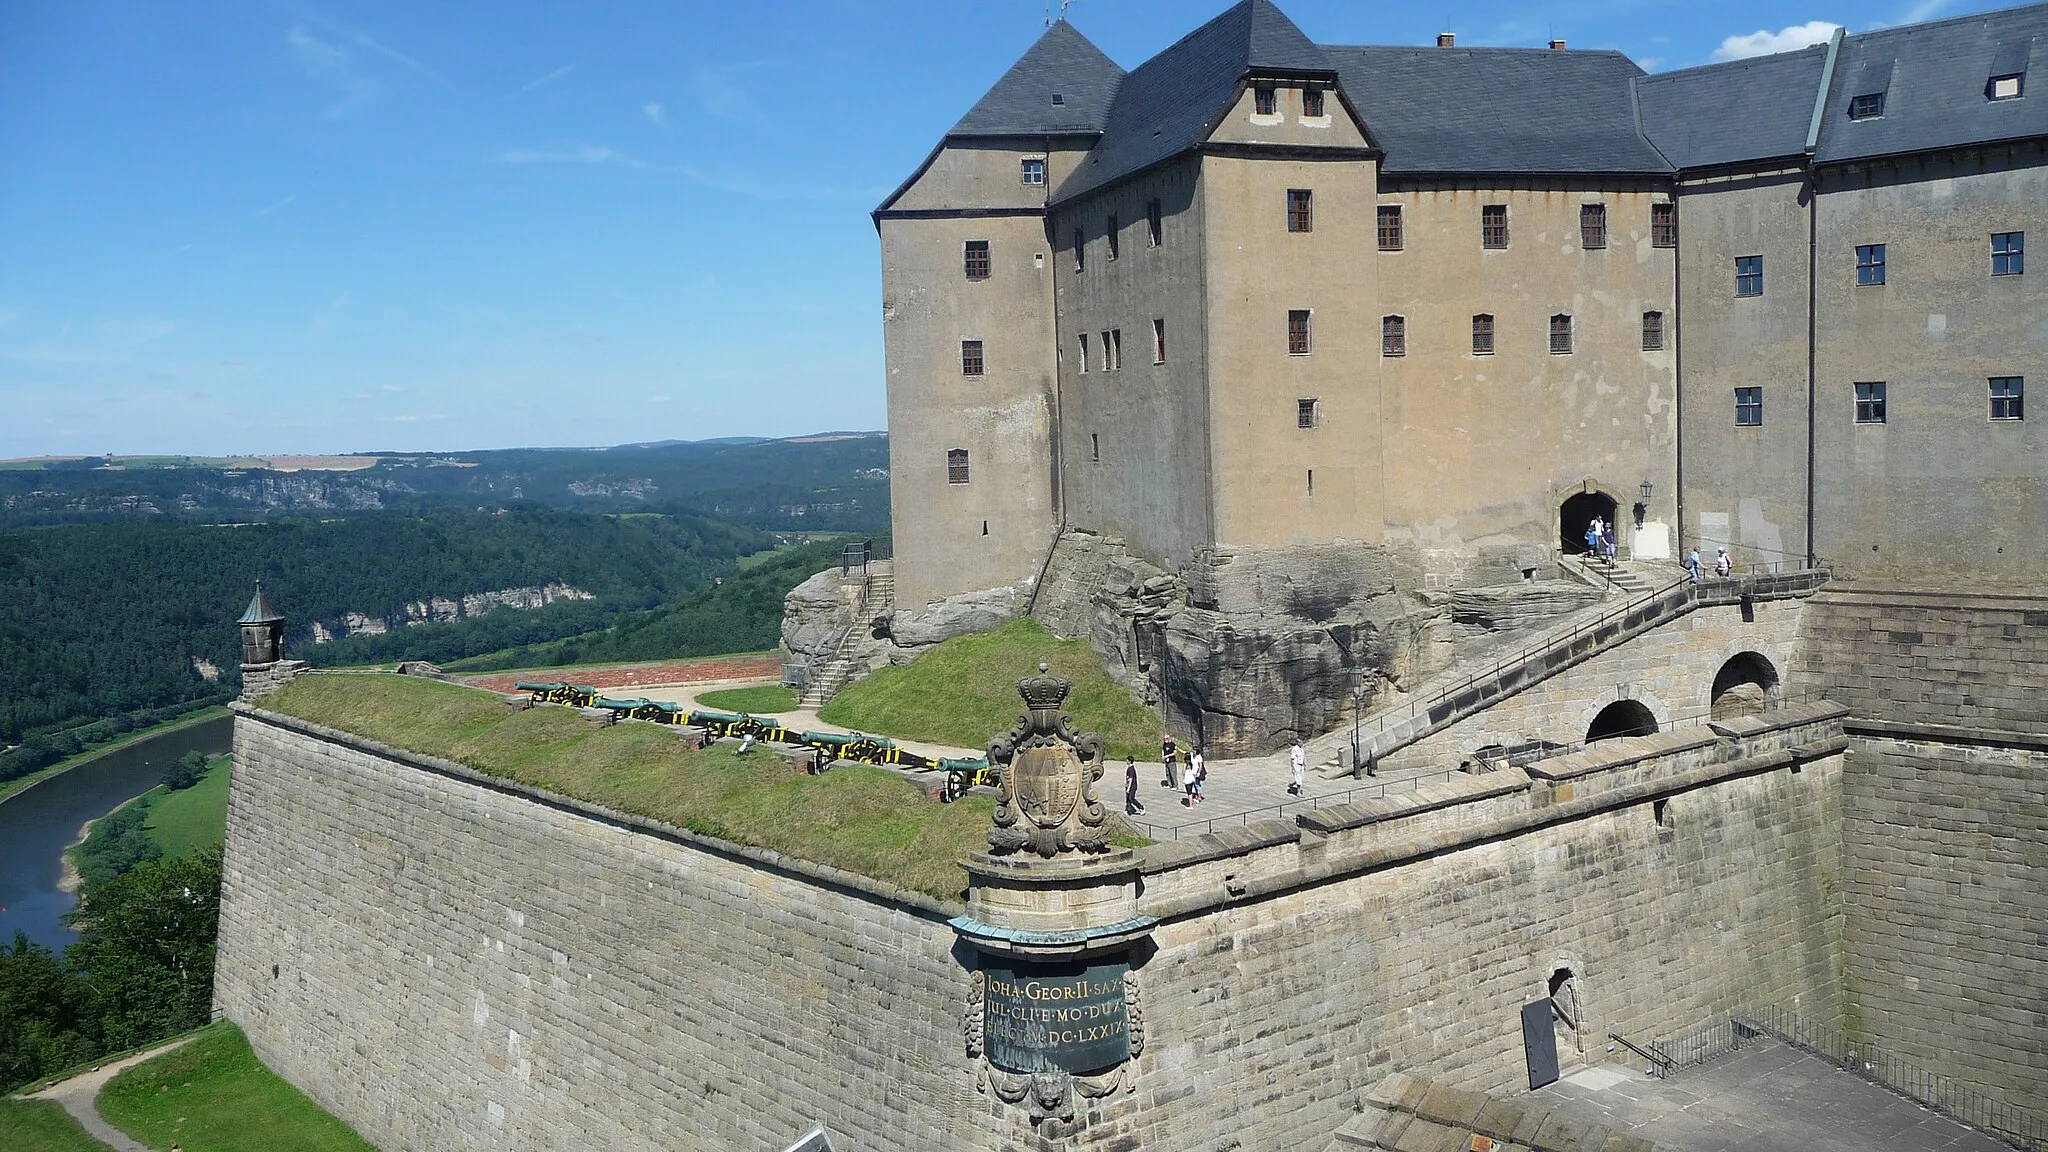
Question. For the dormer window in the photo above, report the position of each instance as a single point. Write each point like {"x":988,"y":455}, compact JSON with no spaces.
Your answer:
{"x":2009,"y":71}
{"x":2008,"y":87}
{"x":1872,"y":81}
{"x":1262,"y":100}
{"x":1058,"y":99}
{"x":1312,"y":103}
{"x":1868,"y":106}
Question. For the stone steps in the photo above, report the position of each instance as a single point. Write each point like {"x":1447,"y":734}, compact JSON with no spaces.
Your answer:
{"x":878,"y":598}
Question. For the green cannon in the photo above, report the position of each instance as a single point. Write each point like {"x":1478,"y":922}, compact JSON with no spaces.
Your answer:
{"x":558,"y":692}
{"x":963,"y":773}
{"x":740,"y":724}
{"x":655,"y":711}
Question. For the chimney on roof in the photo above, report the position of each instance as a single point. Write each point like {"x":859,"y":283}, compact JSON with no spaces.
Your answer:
{"x":1557,"y":45}
{"x":1447,"y":39}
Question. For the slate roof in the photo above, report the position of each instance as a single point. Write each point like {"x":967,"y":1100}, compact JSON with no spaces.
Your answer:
{"x":1064,"y":63}
{"x":1172,"y":101}
{"x":1935,"y":77}
{"x":259,"y":610}
{"x":1743,"y":110}
{"x":1484,"y":110}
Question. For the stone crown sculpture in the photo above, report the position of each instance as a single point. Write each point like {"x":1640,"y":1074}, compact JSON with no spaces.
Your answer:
{"x":1047,"y":800}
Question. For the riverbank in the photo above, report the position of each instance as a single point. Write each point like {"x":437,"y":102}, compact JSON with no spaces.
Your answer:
{"x":13,"y":788}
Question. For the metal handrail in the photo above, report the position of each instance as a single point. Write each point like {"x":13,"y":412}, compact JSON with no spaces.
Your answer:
{"x":1305,"y":804}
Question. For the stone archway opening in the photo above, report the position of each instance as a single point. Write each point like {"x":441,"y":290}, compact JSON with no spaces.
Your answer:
{"x":1622,"y":718}
{"x":1746,"y":685}
{"x":1565,"y":1009}
{"x":1576,"y":513}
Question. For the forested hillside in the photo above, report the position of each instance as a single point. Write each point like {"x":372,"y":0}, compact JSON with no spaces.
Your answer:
{"x":104,"y":619}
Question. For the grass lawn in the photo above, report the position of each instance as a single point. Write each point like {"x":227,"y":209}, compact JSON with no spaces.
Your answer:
{"x":191,"y":819}
{"x":213,"y":1095}
{"x":866,"y":820}
{"x":42,"y":1126}
{"x":760,"y":700}
{"x":12,"y":786}
{"x":964,"y":691}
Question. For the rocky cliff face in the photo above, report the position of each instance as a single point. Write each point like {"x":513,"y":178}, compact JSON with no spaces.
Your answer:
{"x":440,"y":609}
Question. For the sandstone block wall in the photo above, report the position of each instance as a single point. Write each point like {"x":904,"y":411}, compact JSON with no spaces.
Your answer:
{"x":447,"y":965}
{"x":1931,"y":658}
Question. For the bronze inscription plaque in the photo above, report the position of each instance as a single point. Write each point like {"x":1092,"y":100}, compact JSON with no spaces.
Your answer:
{"x":1055,"y":1017}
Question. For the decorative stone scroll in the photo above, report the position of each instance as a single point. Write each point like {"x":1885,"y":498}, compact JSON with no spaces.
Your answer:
{"x":1047,"y":802}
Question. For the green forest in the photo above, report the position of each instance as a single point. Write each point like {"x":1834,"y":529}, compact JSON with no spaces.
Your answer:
{"x":105,"y":620}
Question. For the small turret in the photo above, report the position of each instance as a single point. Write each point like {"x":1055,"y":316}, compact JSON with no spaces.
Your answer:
{"x":264,"y":667}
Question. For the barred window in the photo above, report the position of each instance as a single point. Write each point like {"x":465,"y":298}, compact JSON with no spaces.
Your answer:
{"x":1664,"y":225}
{"x":977,"y":259}
{"x":1482,"y":335}
{"x":1653,"y":331}
{"x":1393,"y":336}
{"x":1390,"y":228}
{"x":1297,"y":332}
{"x":1870,"y":402}
{"x":1561,"y":334}
{"x":2006,"y":395}
{"x":2008,"y":253}
{"x":1311,"y":103}
{"x":956,"y":466}
{"x":1493,"y":226}
{"x":1300,"y":210}
{"x":1080,"y":250}
{"x":1749,"y":407}
{"x":1870,"y":264}
{"x":1592,"y":226}
{"x":1749,"y":275}
{"x":1108,"y":360}
{"x":1262,"y":100}
{"x":970,"y":358}
{"x":1305,"y":413}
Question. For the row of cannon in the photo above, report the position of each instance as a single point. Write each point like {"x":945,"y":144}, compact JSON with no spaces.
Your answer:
{"x":962,"y":773}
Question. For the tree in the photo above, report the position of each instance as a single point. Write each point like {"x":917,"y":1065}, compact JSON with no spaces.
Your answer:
{"x":146,"y":948}
{"x":184,"y":772}
{"x":45,"y":1025}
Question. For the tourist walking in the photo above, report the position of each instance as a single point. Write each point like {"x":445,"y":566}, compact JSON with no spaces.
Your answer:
{"x":1297,"y":765}
{"x":1723,"y":563}
{"x":1692,"y":564}
{"x":1201,"y":768}
{"x":1132,"y":805}
{"x":1187,"y":781}
{"x":1607,"y":542}
{"x":1168,"y":753}
{"x":1593,"y":539}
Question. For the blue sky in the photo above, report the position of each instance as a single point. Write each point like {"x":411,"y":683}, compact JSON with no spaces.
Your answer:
{"x":259,"y":227}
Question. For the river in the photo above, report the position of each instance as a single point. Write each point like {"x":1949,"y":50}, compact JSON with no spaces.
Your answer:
{"x":38,"y":824}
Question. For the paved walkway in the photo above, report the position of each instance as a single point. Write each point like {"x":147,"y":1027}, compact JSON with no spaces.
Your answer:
{"x":1768,"y":1097}
{"x":78,"y":1093}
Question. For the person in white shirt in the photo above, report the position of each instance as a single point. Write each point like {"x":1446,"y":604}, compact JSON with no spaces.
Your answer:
{"x":1297,"y":763}
{"x":1723,"y":564}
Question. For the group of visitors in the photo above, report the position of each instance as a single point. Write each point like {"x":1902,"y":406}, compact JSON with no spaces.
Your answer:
{"x":1724,"y":564}
{"x":1600,"y":540}
{"x":1188,"y":771}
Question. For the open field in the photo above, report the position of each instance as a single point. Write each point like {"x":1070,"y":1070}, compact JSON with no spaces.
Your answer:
{"x":213,"y":1095}
{"x":866,"y":820}
{"x":192,"y":818}
{"x":964,"y":691}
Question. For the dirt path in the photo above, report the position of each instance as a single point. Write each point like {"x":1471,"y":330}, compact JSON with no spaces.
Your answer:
{"x":78,"y":1093}
{"x":637,"y":675}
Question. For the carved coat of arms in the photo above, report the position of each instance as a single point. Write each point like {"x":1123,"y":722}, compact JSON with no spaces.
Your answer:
{"x":1047,"y":800}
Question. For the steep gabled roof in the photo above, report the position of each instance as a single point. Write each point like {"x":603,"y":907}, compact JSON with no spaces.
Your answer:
{"x":1498,"y":110}
{"x":1173,"y":101}
{"x":1744,"y":110}
{"x":1935,"y":79}
{"x":1063,"y":64}
{"x":259,"y":610}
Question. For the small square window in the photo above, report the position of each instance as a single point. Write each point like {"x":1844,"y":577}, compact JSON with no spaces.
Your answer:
{"x":1152,"y":218}
{"x":2008,"y":253}
{"x":2007,"y":87}
{"x":1109,"y":235}
{"x":1301,"y":216}
{"x":1297,"y":332}
{"x":1870,"y":264}
{"x":1561,"y":334}
{"x":1159,"y":341}
{"x":1749,"y":275}
{"x":1312,"y":103}
{"x":1032,"y":172}
{"x":1653,"y":331}
{"x":1393,"y":336}
{"x":977,"y":259}
{"x":1749,"y":407}
{"x":1870,"y":403}
{"x":970,"y":358}
{"x":1084,"y":353}
{"x":1116,"y":348}
{"x":1592,"y":226}
{"x":1493,"y":226}
{"x":1868,"y":106}
{"x":1482,"y":335}
{"x":956,"y":466}
{"x":1664,"y":225}
{"x":1262,"y":100}
{"x":1305,"y":412}
{"x":2007,"y":392}
{"x":1390,"y":228}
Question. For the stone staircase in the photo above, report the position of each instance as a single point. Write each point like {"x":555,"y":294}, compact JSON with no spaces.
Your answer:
{"x":877,"y":598}
{"x":1464,"y":690}
{"x":1628,"y":577}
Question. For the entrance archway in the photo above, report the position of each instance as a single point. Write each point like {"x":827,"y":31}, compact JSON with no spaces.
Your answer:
{"x":1576,"y":513}
{"x":1745,"y":686}
{"x":1622,"y":718}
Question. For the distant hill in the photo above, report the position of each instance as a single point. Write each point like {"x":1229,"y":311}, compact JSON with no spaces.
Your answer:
{"x":829,"y":481}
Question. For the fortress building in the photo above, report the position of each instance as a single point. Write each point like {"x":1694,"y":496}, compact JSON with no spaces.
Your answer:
{"x":1330,"y":343}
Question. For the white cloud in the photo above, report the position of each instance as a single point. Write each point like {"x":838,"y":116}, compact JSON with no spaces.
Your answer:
{"x":330,"y":64}
{"x":1763,"y":42}
{"x":1924,"y":10}
{"x":550,"y":78}
{"x":1650,"y":63}
{"x":654,"y":111}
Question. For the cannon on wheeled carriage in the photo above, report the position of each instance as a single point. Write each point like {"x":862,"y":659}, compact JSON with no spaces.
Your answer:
{"x":963,"y":773}
{"x":558,"y":692}
{"x":655,"y":711}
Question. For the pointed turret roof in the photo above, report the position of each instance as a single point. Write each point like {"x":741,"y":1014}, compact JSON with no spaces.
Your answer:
{"x":1063,"y":85}
{"x":1174,"y":100}
{"x":259,"y":610}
